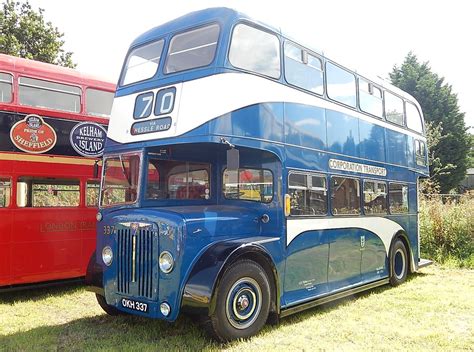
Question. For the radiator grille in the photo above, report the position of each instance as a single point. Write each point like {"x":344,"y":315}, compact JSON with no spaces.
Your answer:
{"x":135,"y":251}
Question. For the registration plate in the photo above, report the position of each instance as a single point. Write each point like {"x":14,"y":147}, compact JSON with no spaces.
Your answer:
{"x":134,"y":305}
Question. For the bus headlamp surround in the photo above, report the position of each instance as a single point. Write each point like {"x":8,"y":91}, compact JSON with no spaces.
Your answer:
{"x":166,"y":262}
{"x":107,"y":255}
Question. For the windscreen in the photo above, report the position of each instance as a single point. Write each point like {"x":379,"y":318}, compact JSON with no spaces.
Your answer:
{"x":120,"y":182}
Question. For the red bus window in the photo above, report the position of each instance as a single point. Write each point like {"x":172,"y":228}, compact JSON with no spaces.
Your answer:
{"x":38,"y":193}
{"x":99,"y":102}
{"x":45,"y":94}
{"x":5,"y":192}
{"x":92,"y":194}
{"x":5,"y":87}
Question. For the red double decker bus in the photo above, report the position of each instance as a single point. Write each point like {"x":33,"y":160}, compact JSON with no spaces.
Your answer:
{"x":52,"y":132}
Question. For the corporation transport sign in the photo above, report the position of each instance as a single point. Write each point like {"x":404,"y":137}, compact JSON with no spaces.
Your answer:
{"x":356,"y":167}
{"x":88,"y":139}
{"x":33,"y":135}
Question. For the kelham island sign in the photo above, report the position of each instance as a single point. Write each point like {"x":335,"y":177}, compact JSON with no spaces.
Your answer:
{"x":33,"y":135}
{"x":88,"y":139}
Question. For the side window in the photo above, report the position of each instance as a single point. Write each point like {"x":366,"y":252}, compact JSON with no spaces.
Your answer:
{"x":99,"y":102}
{"x":255,"y":50}
{"x":345,"y":196}
{"x":308,"y":194}
{"x":420,"y":152}
{"x":51,"y":95}
{"x":5,"y":192}
{"x":341,"y":85}
{"x":38,"y":193}
{"x":190,"y":184}
{"x":248,"y":184}
{"x":142,"y":63}
{"x":92,"y":193}
{"x":394,"y":109}
{"x":398,"y":198}
{"x":375,"y":197}
{"x":6,"y":87}
{"x":303,"y":69}
{"x":370,"y":98}
{"x":413,"y":118}
{"x":195,"y":48}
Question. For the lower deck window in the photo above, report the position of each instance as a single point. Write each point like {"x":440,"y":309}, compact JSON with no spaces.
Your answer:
{"x":248,"y":184}
{"x":375,"y":197}
{"x":398,"y":198}
{"x":169,"y":179}
{"x":308,"y":194}
{"x":92,"y":193}
{"x":345,"y":196}
{"x":37,"y":193}
{"x":5,"y":192}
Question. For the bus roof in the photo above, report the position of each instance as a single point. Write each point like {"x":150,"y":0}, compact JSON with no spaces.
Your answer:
{"x":49,"y":71}
{"x":223,"y":14}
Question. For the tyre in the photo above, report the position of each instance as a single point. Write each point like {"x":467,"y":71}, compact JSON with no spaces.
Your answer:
{"x":243,"y":302}
{"x":110,"y":310}
{"x":398,"y":263}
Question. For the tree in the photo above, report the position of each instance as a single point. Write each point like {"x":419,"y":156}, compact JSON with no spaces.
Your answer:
{"x":440,"y":107}
{"x":24,"y":33}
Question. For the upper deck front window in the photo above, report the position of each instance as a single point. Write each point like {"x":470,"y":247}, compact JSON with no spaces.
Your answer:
{"x":142,"y":63}
{"x":255,"y":50}
{"x":191,"y":49}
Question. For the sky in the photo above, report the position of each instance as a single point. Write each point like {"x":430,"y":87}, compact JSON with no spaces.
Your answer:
{"x":370,"y":36}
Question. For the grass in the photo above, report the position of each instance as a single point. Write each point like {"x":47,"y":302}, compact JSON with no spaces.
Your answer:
{"x":433,"y":310}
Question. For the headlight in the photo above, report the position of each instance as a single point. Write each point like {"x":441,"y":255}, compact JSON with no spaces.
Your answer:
{"x":166,"y":262}
{"x":107,"y":255}
{"x":98,"y":216}
{"x":165,"y":309}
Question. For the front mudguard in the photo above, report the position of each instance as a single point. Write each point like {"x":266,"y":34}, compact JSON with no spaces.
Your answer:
{"x":203,"y":280}
{"x":94,"y":276}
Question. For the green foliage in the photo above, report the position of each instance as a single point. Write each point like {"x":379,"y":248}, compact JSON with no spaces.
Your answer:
{"x":440,"y":107}
{"x":447,"y":230}
{"x":24,"y":33}
{"x":470,"y":157}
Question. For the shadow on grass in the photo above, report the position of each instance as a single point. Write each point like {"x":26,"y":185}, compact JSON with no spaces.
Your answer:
{"x":103,"y":332}
{"x":138,"y":334}
{"x":38,"y":293}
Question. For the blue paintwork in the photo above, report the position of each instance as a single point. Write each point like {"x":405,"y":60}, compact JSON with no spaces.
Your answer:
{"x":277,"y":136}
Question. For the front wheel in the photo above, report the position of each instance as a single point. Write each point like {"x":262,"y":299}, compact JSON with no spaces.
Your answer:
{"x":243,"y":302}
{"x":398,"y":263}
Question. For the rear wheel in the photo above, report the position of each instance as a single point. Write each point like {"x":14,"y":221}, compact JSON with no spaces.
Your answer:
{"x":110,"y":310}
{"x":398,"y":263}
{"x":243,"y":302}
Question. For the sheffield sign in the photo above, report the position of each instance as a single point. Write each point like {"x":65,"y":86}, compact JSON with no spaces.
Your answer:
{"x":356,"y":167}
{"x":88,"y":139}
{"x":33,"y":135}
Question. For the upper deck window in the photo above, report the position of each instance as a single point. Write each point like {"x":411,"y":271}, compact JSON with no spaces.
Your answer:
{"x":142,"y":63}
{"x":370,"y":98}
{"x":341,"y":85}
{"x":303,"y":69}
{"x":51,"y":95}
{"x":394,"y":109}
{"x":413,"y":118}
{"x":195,"y":48}
{"x":5,"y":87}
{"x":255,"y":50}
{"x":99,"y":102}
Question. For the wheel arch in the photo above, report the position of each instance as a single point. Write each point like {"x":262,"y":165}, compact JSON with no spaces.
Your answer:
{"x":199,"y":293}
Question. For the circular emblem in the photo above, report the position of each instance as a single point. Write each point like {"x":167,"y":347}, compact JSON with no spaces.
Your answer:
{"x":33,"y":135}
{"x":88,"y":139}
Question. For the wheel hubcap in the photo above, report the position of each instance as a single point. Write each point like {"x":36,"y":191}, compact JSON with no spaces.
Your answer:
{"x":243,"y":303}
{"x":400,"y":263}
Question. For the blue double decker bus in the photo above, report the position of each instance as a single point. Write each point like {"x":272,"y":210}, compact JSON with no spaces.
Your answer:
{"x":248,"y":177}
